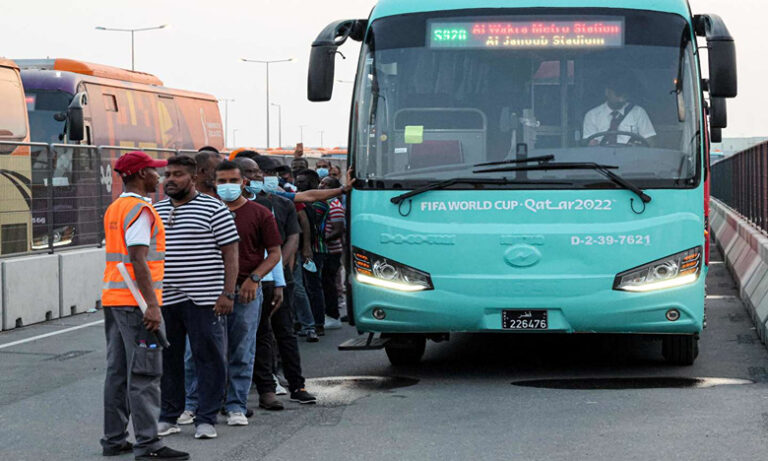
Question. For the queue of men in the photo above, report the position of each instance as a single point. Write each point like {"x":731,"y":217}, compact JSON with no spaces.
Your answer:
{"x":240,"y":259}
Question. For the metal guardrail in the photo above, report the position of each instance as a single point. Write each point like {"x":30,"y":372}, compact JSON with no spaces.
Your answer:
{"x":53,"y":196}
{"x":741,"y":182}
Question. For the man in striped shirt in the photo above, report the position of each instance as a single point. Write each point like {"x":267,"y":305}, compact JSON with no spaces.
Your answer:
{"x":198,"y":290}
{"x":334,"y":234}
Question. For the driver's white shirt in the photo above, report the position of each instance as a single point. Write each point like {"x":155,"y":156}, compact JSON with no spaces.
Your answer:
{"x":636,"y":121}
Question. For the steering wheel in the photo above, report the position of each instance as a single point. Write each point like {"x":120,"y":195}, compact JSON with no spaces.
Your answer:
{"x":633,"y":137}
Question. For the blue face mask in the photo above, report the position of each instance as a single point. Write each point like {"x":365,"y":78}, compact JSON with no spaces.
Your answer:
{"x":322,"y":172}
{"x":255,"y":188}
{"x":229,"y":192}
{"x":270,"y":183}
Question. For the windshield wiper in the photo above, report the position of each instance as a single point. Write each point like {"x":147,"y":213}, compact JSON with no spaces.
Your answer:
{"x":449,"y":182}
{"x":542,"y":159}
{"x":605,"y":170}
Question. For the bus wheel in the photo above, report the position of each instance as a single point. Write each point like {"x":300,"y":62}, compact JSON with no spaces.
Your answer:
{"x":405,"y":349}
{"x":680,"y":349}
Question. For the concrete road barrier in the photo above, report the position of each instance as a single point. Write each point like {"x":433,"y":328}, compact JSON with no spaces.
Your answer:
{"x":80,"y":280}
{"x":745,"y":249}
{"x":30,"y":290}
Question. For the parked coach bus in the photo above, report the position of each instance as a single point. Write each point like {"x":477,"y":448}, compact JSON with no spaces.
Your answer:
{"x":15,"y":220}
{"x":74,"y":102}
{"x":529,"y":166}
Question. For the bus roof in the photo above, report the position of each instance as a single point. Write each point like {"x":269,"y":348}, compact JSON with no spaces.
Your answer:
{"x":65,"y":75}
{"x":88,"y":68}
{"x":395,"y":7}
{"x":8,"y":63}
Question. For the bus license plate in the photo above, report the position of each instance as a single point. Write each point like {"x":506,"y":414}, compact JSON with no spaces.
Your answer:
{"x":524,"y":320}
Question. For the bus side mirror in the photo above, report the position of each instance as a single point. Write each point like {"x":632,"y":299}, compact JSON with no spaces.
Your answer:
{"x":322,"y":58}
{"x":718,"y":113}
{"x":715,"y":135}
{"x":722,"y":55}
{"x":76,"y":118}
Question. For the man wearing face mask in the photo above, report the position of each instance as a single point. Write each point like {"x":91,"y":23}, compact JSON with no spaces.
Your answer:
{"x":278,"y":320}
{"x":258,"y":233}
{"x":199,"y":289}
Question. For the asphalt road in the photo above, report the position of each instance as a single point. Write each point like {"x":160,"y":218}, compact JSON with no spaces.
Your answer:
{"x":463,"y":402}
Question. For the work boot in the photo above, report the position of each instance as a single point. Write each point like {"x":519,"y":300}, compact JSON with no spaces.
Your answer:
{"x":269,"y":401}
{"x":163,"y":453}
{"x":119,"y":450}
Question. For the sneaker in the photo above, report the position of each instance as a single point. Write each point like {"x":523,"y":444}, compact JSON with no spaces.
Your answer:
{"x":344,"y":318}
{"x":279,"y":389}
{"x":332,"y":323}
{"x":117,"y":451}
{"x":164,"y":429}
{"x":205,"y":431}
{"x":163,"y":453}
{"x":248,"y":413}
{"x":312,"y":336}
{"x":269,"y":401}
{"x":188,"y":417}
{"x":320,"y":329}
{"x":303,"y":397}
{"x":236,"y":418}
{"x":302,"y":333}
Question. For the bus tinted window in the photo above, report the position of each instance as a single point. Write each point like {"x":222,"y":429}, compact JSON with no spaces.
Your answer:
{"x":13,"y":124}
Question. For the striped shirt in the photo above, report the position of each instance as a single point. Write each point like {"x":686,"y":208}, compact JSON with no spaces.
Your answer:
{"x":335,"y":214}
{"x":194,"y":234}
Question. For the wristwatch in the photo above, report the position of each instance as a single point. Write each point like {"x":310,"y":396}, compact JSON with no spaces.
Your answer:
{"x":228,"y":295}
{"x":255,"y":278}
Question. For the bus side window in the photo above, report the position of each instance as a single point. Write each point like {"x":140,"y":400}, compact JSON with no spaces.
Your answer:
{"x":110,"y":102}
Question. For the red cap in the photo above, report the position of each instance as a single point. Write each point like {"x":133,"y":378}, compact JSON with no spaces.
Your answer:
{"x":133,"y":162}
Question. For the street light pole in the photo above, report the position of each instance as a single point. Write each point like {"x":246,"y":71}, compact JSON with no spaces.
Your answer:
{"x":132,"y":31}
{"x":234,"y":136}
{"x":279,"y":124}
{"x":301,"y":133}
{"x":322,"y":144}
{"x":226,"y":102}
{"x":258,"y":61}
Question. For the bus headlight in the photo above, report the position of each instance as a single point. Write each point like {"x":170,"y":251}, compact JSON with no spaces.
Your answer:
{"x":673,"y":271}
{"x":373,"y":269}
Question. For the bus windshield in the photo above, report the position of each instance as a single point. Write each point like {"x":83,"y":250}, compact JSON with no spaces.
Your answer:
{"x":439,"y":93}
{"x":13,"y":123}
{"x":43,"y":106}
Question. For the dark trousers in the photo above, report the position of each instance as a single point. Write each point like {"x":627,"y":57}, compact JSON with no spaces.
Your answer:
{"x":331,"y":266}
{"x":279,"y":329}
{"x":206,"y":333}
{"x":313,"y":284}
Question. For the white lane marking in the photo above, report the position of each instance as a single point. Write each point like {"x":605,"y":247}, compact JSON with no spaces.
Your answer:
{"x":722,"y":297}
{"x":53,"y":333}
{"x":715,"y":262}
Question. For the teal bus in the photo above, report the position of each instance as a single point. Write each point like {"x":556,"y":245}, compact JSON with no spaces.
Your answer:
{"x":529,"y":166}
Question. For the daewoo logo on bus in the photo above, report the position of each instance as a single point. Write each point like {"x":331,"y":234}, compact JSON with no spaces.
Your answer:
{"x":419,"y":239}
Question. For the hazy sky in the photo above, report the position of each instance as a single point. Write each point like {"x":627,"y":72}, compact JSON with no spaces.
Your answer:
{"x":202,"y":49}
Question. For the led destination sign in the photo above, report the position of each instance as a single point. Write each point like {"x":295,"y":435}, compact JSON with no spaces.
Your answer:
{"x":536,"y":33}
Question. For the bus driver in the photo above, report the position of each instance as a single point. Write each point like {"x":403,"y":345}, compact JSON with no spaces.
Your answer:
{"x":617,"y":114}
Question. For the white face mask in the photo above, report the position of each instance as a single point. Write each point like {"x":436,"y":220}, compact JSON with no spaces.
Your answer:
{"x":271,"y":183}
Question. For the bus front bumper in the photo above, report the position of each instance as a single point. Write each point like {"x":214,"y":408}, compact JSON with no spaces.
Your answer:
{"x":581,"y":305}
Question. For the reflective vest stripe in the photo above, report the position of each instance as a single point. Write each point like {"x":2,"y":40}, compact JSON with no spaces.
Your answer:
{"x":124,"y":286}
{"x":153,"y":255}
